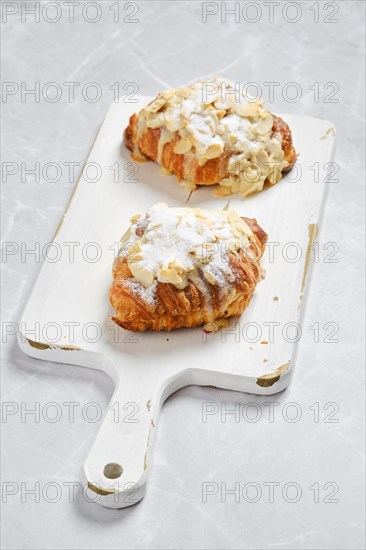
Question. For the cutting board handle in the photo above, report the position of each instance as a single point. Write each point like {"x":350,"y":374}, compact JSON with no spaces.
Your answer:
{"x":116,"y":466}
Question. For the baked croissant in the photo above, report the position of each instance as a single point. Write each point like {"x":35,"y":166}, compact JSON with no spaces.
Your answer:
{"x":209,"y":133}
{"x":183,"y":267}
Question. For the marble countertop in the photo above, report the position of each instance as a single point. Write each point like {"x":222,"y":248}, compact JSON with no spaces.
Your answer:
{"x":297,"y":484}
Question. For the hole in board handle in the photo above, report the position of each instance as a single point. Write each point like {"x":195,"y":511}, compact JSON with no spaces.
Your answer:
{"x":112,"y":470}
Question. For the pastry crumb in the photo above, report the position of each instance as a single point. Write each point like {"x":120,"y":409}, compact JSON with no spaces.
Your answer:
{"x":215,"y":326}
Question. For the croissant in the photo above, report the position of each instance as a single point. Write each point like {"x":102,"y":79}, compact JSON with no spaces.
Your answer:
{"x":208,"y":133}
{"x":184,"y":267}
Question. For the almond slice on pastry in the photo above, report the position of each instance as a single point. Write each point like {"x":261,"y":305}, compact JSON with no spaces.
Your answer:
{"x":184,"y":267}
{"x":210,"y":133}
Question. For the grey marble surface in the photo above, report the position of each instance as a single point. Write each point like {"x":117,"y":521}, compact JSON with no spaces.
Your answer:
{"x":168,"y":45}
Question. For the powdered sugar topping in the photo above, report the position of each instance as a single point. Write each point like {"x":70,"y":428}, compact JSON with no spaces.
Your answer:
{"x":171,"y":245}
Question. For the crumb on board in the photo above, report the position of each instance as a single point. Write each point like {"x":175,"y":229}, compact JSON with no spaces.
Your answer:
{"x":215,"y":326}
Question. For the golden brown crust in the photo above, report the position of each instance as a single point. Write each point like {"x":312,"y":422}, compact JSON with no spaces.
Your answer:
{"x":128,"y":133}
{"x":281,"y":127}
{"x":174,"y":308}
{"x":187,"y":167}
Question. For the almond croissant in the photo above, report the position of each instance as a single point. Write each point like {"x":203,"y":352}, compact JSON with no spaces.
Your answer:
{"x":209,"y":133}
{"x":183,"y":267}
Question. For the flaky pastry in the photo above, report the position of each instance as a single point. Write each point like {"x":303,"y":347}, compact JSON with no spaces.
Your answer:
{"x":212,"y":133}
{"x":184,"y":267}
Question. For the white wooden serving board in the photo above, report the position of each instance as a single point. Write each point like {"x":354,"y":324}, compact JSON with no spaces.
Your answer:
{"x":148,"y":367}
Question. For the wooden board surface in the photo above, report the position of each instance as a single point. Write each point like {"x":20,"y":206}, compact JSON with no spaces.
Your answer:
{"x":67,"y":317}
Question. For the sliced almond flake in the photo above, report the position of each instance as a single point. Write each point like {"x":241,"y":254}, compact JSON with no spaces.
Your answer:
{"x":182,"y":146}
